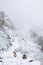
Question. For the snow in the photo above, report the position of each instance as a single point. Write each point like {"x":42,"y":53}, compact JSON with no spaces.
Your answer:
{"x":13,"y":45}
{"x":20,"y":47}
{"x":9,"y":59}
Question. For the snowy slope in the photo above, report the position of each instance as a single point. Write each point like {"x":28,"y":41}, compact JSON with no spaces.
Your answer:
{"x":15,"y":49}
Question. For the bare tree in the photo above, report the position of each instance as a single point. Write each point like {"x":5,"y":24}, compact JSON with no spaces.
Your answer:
{"x":2,"y":17}
{"x":5,"y":21}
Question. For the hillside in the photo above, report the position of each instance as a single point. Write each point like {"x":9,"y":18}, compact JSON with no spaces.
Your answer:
{"x":15,"y":49}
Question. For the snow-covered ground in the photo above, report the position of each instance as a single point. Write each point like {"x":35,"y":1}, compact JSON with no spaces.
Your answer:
{"x":15,"y":49}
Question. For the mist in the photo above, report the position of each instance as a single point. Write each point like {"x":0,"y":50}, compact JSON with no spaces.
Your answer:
{"x":24,"y":13}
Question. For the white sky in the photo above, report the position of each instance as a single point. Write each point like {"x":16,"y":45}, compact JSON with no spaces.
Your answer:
{"x":24,"y":13}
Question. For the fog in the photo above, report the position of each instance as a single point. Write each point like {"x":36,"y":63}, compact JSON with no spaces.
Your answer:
{"x":24,"y":13}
